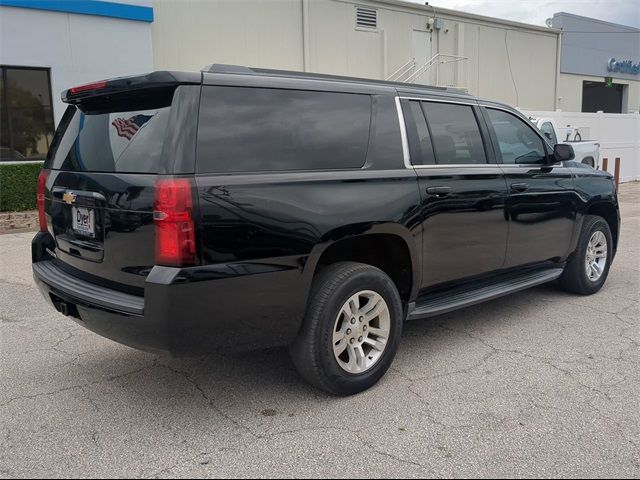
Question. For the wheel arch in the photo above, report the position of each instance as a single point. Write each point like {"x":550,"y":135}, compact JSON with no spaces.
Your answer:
{"x":609,"y":212}
{"x":402,"y":263}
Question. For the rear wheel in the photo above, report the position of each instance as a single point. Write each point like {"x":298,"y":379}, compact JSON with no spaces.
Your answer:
{"x":588,"y":267}
{"x":351,"y":330}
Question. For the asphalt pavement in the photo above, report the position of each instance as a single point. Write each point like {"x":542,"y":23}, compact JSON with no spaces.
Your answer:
{"x":538,"y":384}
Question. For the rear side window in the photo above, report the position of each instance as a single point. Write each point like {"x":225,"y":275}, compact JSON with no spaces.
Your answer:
{"x":455,"y":134}
{"x":245,"y":129}
{"x":126,"y":141}
{"x":419,"y":139}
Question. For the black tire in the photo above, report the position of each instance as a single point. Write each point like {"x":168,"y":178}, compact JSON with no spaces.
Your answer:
{"x":312,"y":351}
{"x":575,"y":278}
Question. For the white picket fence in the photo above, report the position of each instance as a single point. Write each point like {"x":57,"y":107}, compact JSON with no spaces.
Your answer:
{"x":618,"y":135}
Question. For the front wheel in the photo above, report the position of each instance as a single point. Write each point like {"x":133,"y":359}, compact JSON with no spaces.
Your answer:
{"x":351,"y":330}
{"x":588,"y":266}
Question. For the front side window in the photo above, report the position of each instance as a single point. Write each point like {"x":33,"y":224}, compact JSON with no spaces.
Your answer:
{"x":455,"y":134}
{"x":243,"y":129}
{"x":549,"y":132}
{"x":518,"y":143}
{"x":26,"y":114}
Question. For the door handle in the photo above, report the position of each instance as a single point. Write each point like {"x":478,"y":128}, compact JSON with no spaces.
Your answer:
{"x":519,"y":187}
{"x":439,"y":191}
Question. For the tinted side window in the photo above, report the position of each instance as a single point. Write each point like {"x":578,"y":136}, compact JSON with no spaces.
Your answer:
{"x":420,"y":146}
{"x":257,"y":129}
{"x":456,"y":135}
{"x":549,"y":132}
{"x":517,"y":141}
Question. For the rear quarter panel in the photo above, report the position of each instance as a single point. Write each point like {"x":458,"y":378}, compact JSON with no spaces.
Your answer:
{"x":593,"y":187}
{"x":268,"y":230}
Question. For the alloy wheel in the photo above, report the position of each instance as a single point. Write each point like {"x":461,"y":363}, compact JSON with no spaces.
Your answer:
{"x":596,"y":258}
{"x":361,"y":332}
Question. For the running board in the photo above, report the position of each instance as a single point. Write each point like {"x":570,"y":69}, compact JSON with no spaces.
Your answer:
{"x":439,"y":303}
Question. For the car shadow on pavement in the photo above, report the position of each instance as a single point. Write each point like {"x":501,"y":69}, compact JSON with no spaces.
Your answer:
{"x":266,"y":378}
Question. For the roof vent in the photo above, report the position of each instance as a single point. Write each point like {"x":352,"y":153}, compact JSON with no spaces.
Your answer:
{"x":366,"y":18}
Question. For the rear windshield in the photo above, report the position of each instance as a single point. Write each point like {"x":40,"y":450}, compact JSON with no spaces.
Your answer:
{"x":124,"y":141}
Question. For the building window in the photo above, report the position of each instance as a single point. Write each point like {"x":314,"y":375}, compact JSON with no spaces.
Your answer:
{"x":26,"y":113}
{"x":598,"y":96}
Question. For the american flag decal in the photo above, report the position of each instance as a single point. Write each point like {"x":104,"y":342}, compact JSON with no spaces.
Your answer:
{"x":128,"y":128}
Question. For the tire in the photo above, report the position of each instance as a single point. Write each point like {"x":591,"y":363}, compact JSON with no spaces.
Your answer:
{"x":332,"y":292}
{"x":589,"y":161}
{"x":576,"y":276}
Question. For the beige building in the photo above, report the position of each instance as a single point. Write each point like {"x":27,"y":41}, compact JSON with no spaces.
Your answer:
{"x":382,"y":39}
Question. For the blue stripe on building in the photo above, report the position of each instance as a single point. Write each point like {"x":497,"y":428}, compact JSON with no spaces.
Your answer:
{"x":87,"y":7}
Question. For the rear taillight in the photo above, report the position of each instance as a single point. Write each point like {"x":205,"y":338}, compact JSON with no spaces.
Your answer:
{"x":42,"y":182}
{"x":172,"y":215}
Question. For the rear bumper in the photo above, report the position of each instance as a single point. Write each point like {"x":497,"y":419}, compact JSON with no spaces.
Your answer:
{"x":127,"y":319}
{"x":184,"y":311}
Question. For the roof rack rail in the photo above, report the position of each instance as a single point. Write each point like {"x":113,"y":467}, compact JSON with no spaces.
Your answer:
{"x":242,"y":70}
{"x":224,"y":68}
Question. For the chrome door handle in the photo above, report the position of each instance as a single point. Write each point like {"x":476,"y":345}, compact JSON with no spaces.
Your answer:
{"x":439,"y":191}
{"x":519,"y":187}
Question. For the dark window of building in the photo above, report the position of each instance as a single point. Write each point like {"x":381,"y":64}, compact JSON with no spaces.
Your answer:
{"x":455,"y":133}
{"x":597,"y":96}
{"x":420,"y":147}
{"x":261,"y":129}
{"x":517,"y":141}
{"x":26,"y":113}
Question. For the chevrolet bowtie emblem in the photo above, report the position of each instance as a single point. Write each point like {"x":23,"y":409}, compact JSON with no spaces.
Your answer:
{"x":69,"y":197}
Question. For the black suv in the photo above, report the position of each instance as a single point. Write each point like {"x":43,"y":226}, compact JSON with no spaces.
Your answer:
{"x":241,"y":208}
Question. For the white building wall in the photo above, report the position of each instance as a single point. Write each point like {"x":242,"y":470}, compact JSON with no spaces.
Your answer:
{"x":77,"y":48}
{"x":188,"y":35}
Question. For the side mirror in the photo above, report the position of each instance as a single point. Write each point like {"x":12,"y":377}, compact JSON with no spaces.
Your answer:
{"x":562,"y":153}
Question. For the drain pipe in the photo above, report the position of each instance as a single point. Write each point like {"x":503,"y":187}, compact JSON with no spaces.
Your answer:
{"x":305,"y":35}
{"x":557,"y":100}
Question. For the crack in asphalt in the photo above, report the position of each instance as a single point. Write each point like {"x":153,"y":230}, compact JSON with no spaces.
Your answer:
{"x":544,"y":360}
{"x":210,"y":402}
{"x":74,"y":387}
{"x":356,"y":434}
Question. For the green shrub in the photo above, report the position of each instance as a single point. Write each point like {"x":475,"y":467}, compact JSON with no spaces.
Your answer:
{"x":19,"y":186}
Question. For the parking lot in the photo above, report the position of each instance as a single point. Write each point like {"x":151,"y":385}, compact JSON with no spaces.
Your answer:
{"x":541,"y":383}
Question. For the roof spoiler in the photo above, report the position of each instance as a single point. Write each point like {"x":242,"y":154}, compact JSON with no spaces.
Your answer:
{"x":153,"y":80}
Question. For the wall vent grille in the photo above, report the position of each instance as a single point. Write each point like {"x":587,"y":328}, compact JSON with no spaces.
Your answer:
{"x":366,"y":18}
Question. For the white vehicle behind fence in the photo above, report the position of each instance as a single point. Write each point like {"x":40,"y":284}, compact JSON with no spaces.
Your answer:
{"x":587,"y":151}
